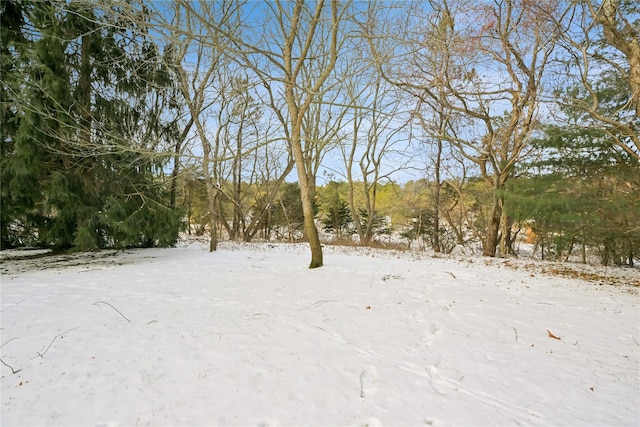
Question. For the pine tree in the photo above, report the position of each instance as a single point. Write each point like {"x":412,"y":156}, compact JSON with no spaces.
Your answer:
{"x":11,"y":45}
{"x":337,"y":217}
{"x":584,"y":190}
{"x":379,"y":223}
{"x":287,"y":211}
{"x":81,"y":170}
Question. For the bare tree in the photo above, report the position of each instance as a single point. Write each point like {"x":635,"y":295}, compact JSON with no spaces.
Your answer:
{"x":200,"y":69}
{"x":495,"y":62}
{"x":255,"y":172}
{"x":376,"y":146}
{"x":298,"y":42}
{"x":284,"y":54}
{"x":432,"y":129}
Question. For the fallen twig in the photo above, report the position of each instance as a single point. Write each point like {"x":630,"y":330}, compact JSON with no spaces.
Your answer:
{"x":318,"y":304}
{"x":452,"y":275}
{"x":553,"y":336}
{"x":10,"y":367}
{"x":257,"y":266}
{"x":516,"y":331}
{"x":14,"y":338}
{"x":51,"y":343}
{"x":636,"y":341}
{"x":120,"y":313}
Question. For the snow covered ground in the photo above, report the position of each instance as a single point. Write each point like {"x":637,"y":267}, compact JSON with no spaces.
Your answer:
{"x":249,"y":336}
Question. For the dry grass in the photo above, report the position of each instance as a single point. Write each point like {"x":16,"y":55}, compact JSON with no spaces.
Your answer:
{"x":375,"y":244}
{"x":598,"y":275}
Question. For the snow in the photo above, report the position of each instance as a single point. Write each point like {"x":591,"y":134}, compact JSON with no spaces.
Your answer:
{"x":249,"y":336}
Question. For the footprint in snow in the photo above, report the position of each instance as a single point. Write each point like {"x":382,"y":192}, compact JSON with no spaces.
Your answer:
{"x":436,"y":382}
{"x":368,"y":382}
{"x":419,"y":317}
{"x":432,"y":422}
{"x":372,"y":422}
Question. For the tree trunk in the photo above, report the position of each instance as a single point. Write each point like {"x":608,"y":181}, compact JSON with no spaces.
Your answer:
{"x":176,"y":163}
{"x":221,"y":220}
{"x":506,"y":241}
{"x":189,"y":213}
{"x":310,"y":229}
{"x":306,"y":187}
{"x":211,"y":191}
{"x":213,"y":213}
{"x":355,"y":215}
{"x":174,"y":176}
{"x":298,"y":108}
{"x":436,"y":200}
{"x":84,"y":86}
{"x":490,"y":243}
{"x":238,"y":227}
{"x":213,"y":229}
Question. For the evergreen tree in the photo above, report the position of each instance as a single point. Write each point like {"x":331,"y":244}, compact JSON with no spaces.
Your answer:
{"x":11,"y":45}
{"x":420,"y":225}
{"x":80,"y":169}
{"x":287,"y":211}
{"x":337,"y":217}
{"x":379,"y":225}
{"x":584,"y":191}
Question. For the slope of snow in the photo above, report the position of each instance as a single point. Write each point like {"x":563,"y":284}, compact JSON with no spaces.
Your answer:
{"x":249,"y":336}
